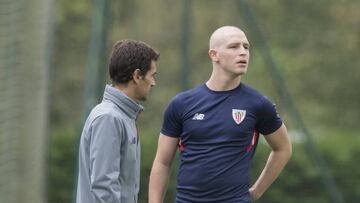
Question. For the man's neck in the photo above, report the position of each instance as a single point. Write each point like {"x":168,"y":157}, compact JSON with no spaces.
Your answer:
{"x":221,"y":82}
{"x":127,"y":90}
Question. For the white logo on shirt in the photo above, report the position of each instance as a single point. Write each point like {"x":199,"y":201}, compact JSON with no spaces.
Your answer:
{"x":238,"y":115}
{"x":198,"y":116}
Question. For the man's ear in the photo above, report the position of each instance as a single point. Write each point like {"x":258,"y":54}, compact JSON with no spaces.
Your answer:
{"x":213,"y":55}
{"x":137,"y":75}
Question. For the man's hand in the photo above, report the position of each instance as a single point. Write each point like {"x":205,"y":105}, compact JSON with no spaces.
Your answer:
{"x":254,"y":196}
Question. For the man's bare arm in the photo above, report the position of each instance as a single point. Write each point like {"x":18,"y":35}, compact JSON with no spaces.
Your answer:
{"x":161,"y":168}
{"x":281,"y":152}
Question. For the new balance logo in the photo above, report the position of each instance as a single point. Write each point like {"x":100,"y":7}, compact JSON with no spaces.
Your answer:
{"x":198,"y":116}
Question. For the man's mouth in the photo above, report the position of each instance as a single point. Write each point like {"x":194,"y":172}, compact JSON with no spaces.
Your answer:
{"x":242,"y":62}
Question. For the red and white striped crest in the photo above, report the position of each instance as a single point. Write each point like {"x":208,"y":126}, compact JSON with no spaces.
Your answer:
{"x":238,"y":115}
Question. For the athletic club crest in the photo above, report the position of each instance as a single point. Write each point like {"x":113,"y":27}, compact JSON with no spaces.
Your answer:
{"x":238,"y":115}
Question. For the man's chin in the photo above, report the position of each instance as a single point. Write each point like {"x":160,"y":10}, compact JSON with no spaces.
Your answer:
{"x":242,"y":72}
{"x":142,"y":99}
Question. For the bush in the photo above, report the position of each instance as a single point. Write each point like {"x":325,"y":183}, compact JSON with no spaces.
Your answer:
{"x":301,"y":182}
{"x":62,"y":162}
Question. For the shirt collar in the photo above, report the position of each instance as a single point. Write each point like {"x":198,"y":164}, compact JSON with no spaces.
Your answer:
{"x":125,"y":103}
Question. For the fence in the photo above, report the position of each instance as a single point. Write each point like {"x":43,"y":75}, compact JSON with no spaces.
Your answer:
{"x":25,"y":30}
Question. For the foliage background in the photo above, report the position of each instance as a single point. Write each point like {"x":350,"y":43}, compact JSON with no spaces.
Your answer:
{"x":315,"y":44}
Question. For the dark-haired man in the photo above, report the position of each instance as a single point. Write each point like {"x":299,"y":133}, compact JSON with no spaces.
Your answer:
{"x":109,"y":152}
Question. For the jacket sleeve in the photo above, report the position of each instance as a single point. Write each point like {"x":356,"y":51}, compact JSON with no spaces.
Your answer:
{"x":105,"y":159}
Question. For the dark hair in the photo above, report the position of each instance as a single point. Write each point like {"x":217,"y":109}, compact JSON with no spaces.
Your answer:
{"x":127,"y":56}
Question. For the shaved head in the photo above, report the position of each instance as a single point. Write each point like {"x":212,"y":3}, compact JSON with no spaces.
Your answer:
{"x":220,"y":35}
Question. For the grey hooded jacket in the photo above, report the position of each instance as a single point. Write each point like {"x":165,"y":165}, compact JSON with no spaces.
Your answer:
{"x":109,"y":152}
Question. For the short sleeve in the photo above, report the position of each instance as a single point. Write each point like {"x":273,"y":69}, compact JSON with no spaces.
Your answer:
{"x":172,"y":123}
{"x":269,"y":119}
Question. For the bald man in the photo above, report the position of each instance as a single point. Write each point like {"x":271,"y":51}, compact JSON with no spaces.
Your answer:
{"x":216,"y":127}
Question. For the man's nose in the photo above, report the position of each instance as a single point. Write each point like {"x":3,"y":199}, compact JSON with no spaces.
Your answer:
{"x":242,"y":51}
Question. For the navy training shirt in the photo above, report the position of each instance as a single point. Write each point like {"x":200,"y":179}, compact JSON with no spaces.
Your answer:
{"x":218,"y":133}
